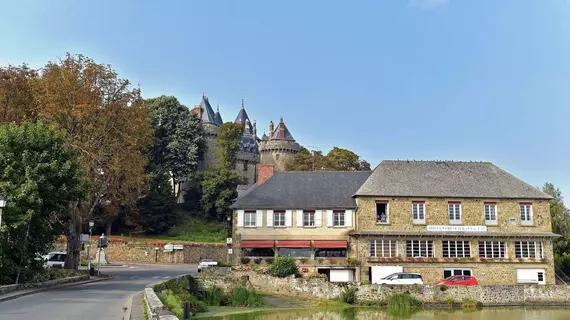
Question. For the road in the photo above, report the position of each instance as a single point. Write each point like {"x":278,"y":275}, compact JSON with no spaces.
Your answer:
{"x":93,"y":301}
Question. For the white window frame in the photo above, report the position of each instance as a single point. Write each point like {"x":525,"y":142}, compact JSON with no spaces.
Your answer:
{"x":462,"y":248}
{"x":537,"y":246}
{"x":418,"y":207}
{"x":377,"y":248}
{"x":336,"y":216}
{"x":462,"y":271}
{"x":484,"y":245}
{"x":308,"y":214}
{"x":526,"y":213}
{"x":423,"y":245}
{"x":450,"y":214}
{"x":250,"y":222}
{"x":387,"y":211}
{"x":490,"y":209}
{"x":282,"y":219}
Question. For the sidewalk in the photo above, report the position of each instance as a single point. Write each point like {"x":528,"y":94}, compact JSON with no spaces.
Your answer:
{"x":137,"y":307}
{"x":21,"y":293}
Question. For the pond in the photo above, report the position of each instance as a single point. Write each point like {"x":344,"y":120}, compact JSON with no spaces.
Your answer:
{"x":518,"y":313}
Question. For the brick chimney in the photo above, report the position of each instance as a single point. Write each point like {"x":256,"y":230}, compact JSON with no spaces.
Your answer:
{"x":265,"y":172}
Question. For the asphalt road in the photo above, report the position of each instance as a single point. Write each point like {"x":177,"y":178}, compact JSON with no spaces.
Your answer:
{"x":93,"y":301}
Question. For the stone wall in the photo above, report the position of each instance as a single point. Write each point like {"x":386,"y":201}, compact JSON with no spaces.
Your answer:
{"x":317,"y":288}
{"x":146,"y":253}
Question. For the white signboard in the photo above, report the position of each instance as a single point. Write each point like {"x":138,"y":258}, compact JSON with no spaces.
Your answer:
{"x":168,"y":247}
{"x":178,"y":247}
{"x":457,"y":228}
{"x":85,"y":237}
{"x":230,"y":251}
{"x":229,"y":240}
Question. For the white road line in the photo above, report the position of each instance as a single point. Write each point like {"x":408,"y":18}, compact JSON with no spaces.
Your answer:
{"x":156,"y":277}
{"x":166,"y":277}
{"x":133,"y":277}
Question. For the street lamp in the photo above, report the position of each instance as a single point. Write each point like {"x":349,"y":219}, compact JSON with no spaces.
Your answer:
{"x":2,"y":205}
{"x":91,"y":224}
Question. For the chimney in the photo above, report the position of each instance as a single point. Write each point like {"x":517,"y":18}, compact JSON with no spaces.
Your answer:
{"x":265,"y":172}
{"x":271,"y":129}
{"x":254,"y":128}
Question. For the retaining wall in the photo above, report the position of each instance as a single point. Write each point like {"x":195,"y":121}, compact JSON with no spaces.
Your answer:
{"x":45,"y":284}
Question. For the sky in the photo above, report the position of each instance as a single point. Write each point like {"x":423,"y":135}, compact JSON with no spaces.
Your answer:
{"x":457,"y":80}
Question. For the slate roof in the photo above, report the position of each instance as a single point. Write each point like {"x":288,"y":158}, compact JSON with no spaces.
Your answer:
{"x":304,"y":190}
{"x":244,"y":189}
{"x":219,"y":120}
{"x":208,"y":114}
{"x":282,"y":132}
{"x":248,"y":143}
{"x":446,"y":179}
{"x":240,"y":119}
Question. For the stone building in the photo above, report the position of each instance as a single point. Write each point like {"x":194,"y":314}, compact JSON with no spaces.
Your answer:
{"x":275,"y":149}
{"x":436,"y":218}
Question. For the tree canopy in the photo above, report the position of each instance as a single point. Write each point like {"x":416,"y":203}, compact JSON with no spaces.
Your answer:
{"x":337,"y":159}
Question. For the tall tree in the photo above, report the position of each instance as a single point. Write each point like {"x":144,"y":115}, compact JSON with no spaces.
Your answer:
{"x":337,"y":159}
{"x":107,"y":124}
{"x":178,"y":139}
{"x":157,"y":207}
{"x":17,"y":97}
{"x":560,"y":218}
{"x":219,"y":182}
{"x":41,"y":177}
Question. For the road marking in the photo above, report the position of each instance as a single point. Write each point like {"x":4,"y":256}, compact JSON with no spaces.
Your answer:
{"x":156,"y":277}
{"x":133,"y":267}
{"x":166,"y":277}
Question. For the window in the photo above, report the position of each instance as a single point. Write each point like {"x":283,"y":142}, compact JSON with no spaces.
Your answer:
{"x":456,"y":272}
{"x":308,"y":218}
{"x":526,"y":213}
{"x":490,"y":213}
{"x":245,"y":165}
{"x":381,"y":211}
{"x":258,"y":252}
{"x":456,"y":249}
{"x":529,"y":249}
{"x":454,"y":209}
{"x":492,"y":249}
{"x":338,"y":218}
{"x":279,"y":218}
{"x":418,"y":212}
{"x":383,"y":248}
{"x":249,"y":219}
{"x":294,"y":252}
{"x":330,"y":253}
{"x":540,"y":276}
{"x":419,"y":248}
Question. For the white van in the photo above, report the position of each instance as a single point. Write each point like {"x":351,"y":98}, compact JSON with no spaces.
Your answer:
{"x":55,"y":259}
{"x":402,"y":278}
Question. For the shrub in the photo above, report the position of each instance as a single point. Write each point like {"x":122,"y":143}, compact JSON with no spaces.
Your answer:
{"x":348,"y":295}
{"x":470,"y":304}
{"x":403,"y":305}
{"x":182,"y":285}
{"x":224,"y":264}
{"x":283,"y":267}
{"x":214,"y":296}
{"x":449,"y":301}
{"x":443,"y":287}
{"x":245,"y":260}
{"x":269,"y":261}
{"x":242,"y":297}
{"x":257,"y":260}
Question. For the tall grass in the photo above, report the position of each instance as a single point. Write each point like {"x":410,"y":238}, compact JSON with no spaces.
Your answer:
{"x":403,"y":305}
{"x":214,"y":296}
{"x":470,"y":304}
{"x":242,"y":297}
{"x":175,"y":302}
{"x":348,"y":295}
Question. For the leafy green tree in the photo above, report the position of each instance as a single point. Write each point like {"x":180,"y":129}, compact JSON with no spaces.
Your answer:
{"x":560,"y":218}
{"x":178,"y":139}
{"x":40,"y":177}
{"x":228,"y":142}
{"x":157,"y":207}
{"x":337,"y":159}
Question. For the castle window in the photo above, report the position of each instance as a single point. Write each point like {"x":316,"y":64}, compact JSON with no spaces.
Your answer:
{"x":245,"y":165}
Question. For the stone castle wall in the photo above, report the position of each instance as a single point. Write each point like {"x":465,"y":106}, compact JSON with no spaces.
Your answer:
{"x":278,"y":152}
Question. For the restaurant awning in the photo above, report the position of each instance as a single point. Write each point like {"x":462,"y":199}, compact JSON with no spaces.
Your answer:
{"x":257,"y":243}
{"x":294,"y":243}
{"x":329,"y":244}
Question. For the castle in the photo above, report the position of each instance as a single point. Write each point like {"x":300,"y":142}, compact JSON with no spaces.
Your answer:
{"x":275,"y":148}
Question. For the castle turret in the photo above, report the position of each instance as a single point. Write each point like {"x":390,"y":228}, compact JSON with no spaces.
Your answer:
{"x":280,"y":147}
{"x":248,"y":153}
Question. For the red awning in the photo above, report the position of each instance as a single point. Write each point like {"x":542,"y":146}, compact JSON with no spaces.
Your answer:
{"x":330,"y":244}
{"x":257,"y":243}
{"x":294,"y":244}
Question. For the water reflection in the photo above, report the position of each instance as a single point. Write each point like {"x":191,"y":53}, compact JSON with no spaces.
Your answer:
{"x":366,"y":314}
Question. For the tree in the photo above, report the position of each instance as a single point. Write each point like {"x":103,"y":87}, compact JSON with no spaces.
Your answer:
{"x":157,"y":207}
{"x":337,"y":159}
{"x":228,"y":142}
{"x":40,"y":176}
{"x":107,"y":124}
{"x":560,"y":218}
{"x":17,"y":94}
{"x":178,"y":139}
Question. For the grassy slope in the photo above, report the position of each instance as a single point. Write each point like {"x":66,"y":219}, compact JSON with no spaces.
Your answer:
{"x":195,"y":228}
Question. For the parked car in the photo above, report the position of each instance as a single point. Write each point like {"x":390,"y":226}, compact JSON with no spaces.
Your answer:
{"x":206,"y":263}
{"x":402,"y":278}
{"x":458,"y":280}
{"x":55,"y":259}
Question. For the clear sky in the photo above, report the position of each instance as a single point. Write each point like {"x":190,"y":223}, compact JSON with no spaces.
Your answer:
{"x":481,"y":80}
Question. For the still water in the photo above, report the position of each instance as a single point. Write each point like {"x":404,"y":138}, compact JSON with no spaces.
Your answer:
{"x":366,"y":314}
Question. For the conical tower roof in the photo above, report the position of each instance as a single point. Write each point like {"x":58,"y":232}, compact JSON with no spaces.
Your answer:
{"x":207,"y":114}
{"x":219,"y":120}
{"x":241,"y":119}
{"x":282,"y":132}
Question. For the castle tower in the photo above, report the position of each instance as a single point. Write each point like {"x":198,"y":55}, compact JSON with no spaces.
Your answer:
{"x":279,"y":146}
{"x":248,"y":153}
{"x":211,"y":122}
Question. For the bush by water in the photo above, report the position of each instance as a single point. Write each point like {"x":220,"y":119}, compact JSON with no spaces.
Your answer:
{"x":283,"y":267}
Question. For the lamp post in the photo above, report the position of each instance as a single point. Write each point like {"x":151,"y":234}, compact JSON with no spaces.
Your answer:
{"x":91,"y":224}
{"x":2,"y":205}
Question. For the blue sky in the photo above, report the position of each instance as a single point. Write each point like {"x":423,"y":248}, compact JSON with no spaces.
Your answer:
{"x":396,"y":79}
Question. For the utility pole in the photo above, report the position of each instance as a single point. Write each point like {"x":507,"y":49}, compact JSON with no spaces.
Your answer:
{"x":91,"y":224}
{"x":312,"y":150}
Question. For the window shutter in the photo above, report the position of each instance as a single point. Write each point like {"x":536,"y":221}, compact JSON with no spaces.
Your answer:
{"x":240,"y":218}
{"x":329,"y":218}
{"x":269,"y":218}
{"x":318,"y":218}
{"x":259,"y":218}
{"x":288,"y":218}
{"x":348,"y":218}
{"x":299,"y":218}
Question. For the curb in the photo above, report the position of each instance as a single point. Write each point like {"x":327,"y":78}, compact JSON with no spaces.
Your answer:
{"x":129,"y":306}
{"x":65,"y":285}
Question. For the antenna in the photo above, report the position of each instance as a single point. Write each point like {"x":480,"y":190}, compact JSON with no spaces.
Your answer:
{"x":312,"y":150}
